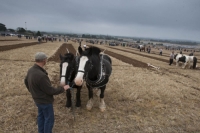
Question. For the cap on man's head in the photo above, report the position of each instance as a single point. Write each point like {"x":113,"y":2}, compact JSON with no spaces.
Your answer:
{"x":39,"y":56}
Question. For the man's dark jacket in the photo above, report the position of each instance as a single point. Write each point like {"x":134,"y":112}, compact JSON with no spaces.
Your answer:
{"x":39,"y":85}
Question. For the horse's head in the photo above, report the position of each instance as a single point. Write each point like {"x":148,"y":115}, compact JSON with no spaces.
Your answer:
{"x":67,"y":66}
{"x":88,"y":59}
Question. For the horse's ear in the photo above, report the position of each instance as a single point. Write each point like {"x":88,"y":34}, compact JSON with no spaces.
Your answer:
{"x":71,"y":57}
{"x":80,"y":50}
{"x":96,"y":50}
{"x":61,"y":57}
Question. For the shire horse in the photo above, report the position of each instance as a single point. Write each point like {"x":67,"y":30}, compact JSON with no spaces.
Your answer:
{"x":141,"y":47}
{"x":96,"y":69}
{"x":190,"y":60}
{"x":68,"y":70}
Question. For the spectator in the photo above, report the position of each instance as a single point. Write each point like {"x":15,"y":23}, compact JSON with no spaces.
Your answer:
{"x":149,"y":49}
{"x":192,"y":53}
{"x":171,"y":58}
{"x":161,"y":52}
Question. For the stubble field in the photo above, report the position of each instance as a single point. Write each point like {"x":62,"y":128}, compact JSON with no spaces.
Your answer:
{"x":138,"y":98}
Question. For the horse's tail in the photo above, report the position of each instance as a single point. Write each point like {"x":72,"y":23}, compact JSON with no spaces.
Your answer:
{"x":194,"y":62}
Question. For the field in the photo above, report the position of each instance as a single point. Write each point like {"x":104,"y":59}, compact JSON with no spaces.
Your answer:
{"x":139,"y":98}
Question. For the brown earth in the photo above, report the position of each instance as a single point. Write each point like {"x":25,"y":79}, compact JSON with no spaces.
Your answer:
{"x":138,"y":100}
{"x":62,"y":50}
{"x":9,"y":47}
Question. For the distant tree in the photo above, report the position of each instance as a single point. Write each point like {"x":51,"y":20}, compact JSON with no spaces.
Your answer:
{"x":21,"y":30}
{"x":11,"y":30}
{"x":38,"y":33}
{"x":2,"y":27}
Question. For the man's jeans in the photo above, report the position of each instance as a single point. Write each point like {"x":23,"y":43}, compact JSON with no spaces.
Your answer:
{"x":45,"y":118}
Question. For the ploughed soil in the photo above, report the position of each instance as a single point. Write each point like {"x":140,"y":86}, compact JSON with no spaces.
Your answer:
{"x":9,"y":47}
{"x":137,"y":100}
{"x":10,"y":40}
{"x":62,"y":50}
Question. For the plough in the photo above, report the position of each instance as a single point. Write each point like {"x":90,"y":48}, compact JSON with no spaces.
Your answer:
{"x":153,"y":66}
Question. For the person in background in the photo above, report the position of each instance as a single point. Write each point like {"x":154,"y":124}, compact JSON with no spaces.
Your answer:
{"x":149,"y":49}
{"x":192,"y":53}
{"x":38,"y":84}
{"x":171,"y":58}
{"x":161,"y":52}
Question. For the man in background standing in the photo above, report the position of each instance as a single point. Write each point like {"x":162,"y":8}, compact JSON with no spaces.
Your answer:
{"x":161,"y":52}
{"x":171,"y":58}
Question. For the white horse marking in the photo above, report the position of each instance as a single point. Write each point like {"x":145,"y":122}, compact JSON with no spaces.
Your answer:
{"x":79,"y":78}
{"x":64,"y":69}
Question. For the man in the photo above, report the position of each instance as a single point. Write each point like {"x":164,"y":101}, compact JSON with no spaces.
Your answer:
{"x":161,"y":52}
{"x":171,"y":58}
{"x":192,"y":53}
{"x":149,"y":49}
{"x":39,"y":85}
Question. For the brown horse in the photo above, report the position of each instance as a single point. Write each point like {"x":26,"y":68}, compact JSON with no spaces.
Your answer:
{"x":141,"y":47}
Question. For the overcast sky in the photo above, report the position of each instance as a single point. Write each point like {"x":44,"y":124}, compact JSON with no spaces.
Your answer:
{"x":165,"y":19}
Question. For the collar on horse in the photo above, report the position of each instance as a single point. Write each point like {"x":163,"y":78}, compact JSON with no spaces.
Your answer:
{"x":102,"y":77}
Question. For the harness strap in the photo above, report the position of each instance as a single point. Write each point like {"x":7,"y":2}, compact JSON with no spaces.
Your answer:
{"x":81,"y":71}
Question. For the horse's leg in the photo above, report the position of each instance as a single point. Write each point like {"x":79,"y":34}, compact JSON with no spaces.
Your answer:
{"x":177,"y":62}
{"x":69,"y":101}
{"x":78,"y":96}
{"x":90,"y":102}
{"x":102,"y":104}
{"x":184,"y":65}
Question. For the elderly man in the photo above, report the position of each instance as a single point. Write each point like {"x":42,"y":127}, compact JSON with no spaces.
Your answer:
{"x":39,"y":85}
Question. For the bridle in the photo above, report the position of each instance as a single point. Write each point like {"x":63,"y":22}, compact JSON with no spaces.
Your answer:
{"x":70,"y":75}
{"x":83,"y":71}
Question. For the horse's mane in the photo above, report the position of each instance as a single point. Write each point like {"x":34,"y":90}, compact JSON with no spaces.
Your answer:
{"x":92,"y":51}
{"x":69,"y":56}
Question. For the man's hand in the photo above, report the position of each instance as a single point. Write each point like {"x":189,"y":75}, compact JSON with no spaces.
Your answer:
{"x":66,"y":87}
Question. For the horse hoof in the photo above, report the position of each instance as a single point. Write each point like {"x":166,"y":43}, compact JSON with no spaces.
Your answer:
{"x":68,"y":108}
{"x":78,"y":108}
{"x":89,"y":105}
{"x":102,"y":107}
{"x":98,"y":92}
